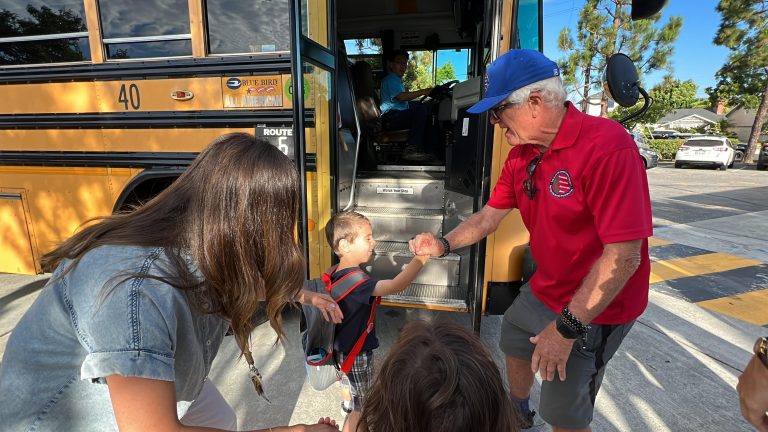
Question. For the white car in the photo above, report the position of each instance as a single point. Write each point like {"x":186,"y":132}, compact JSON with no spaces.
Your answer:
{"x":711,"y":151}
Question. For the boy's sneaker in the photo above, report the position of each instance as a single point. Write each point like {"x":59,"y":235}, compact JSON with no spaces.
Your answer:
{"x":344,"y":410}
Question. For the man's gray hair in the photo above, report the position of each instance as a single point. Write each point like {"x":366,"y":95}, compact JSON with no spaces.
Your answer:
{"x":551,"y":90}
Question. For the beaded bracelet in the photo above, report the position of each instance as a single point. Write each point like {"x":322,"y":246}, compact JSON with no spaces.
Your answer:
{"x":573,"y":322}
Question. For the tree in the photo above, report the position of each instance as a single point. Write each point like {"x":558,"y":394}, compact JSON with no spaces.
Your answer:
{"x":605,"y":28}
{"x":668,"y":95}
{"x":419,"y":72}
{"x":445,"y":73}
{"x":743,"y":79}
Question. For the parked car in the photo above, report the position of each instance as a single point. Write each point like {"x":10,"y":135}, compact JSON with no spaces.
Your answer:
{"x":762,"y":161}
{"x":663,"y":134}
{"x":741,"y":150}
{"x":650,"y":157}
{"x":711,"y":151}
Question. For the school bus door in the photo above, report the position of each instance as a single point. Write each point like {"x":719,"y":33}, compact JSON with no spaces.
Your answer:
{"x":313,"y":71}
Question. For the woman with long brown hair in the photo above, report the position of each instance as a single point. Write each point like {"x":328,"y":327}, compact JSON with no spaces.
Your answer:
{"x":140,"y":302}
{"x":438,"y":377}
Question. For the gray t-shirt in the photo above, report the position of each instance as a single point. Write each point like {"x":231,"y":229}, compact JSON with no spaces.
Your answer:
{"x":72,"y":337}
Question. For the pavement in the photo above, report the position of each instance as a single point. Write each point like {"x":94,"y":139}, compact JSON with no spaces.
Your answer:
{"x":676,"y":371}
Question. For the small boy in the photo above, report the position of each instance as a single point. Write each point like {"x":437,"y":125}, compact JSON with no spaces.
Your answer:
{"x":351,"y":237}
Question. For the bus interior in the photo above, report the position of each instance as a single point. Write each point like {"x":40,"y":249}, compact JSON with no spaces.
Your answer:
{"x":400,"y":198}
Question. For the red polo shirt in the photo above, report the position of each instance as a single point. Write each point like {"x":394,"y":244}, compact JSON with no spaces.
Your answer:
{"x":591,"y":189}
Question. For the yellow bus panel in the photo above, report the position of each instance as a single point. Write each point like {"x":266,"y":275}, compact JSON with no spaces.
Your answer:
{"x":61,"y":199}
{"x":16,"y":252}
{"x":176,"y":94}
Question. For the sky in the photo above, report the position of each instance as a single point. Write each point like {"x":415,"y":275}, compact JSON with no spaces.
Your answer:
{"x":695,"y":57}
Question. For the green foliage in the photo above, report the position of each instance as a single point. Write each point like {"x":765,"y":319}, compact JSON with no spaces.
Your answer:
{"x":605,"y":28}
{"x":445,"y":73}
{"x":666,"y":148}
{"x":743,"y":78}
{"x":419,"y":74}
{"x":668,"y":95}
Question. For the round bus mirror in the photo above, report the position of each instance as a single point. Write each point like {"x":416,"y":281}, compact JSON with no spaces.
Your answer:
{"x":621,"y":80}
{"x":642,"y":9}
{"x":623,"y":84}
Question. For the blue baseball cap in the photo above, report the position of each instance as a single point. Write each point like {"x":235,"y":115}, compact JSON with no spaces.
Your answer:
{"x":513,"y":70}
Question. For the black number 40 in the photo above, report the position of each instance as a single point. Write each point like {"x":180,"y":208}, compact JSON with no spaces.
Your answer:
{"x":132,"y":96}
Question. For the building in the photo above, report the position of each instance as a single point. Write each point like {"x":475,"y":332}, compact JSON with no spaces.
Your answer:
{"x":593,"y":104}
{"x":740,"y":121}
{"x":688,"y":118}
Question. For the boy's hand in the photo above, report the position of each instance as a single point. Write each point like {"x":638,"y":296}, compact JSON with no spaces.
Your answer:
{"x":426,"y":244}
{"x":330,"y":310}
{"x":421,"y":258}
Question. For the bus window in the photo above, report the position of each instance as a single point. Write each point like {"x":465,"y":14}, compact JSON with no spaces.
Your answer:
{"x":369,"y":50}
{"x":431,"y":68}
{"x":247,"y":27}
{"x":130,"y":32}
{"x":452,"y":64}
{"x":528,"y":31}
{"x":35,"y":32}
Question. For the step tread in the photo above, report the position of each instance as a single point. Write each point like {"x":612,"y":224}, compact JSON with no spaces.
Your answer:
{"x":435,"y":295}
{"x":401,"y":248}
{"x":394,"y":211}
{"x":368,"y":176}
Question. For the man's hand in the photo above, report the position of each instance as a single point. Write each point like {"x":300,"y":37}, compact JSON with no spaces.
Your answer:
{"x":426,"y":244}
{"x":551,"y":353}
{"x":330,"y":310}
{"x":753,"y":394}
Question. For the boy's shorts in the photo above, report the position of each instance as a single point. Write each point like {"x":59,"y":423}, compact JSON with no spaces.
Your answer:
{"x":569,"y":403}
{"x":360,"y":377}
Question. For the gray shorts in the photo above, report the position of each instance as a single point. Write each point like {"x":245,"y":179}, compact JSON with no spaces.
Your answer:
{"x":570,"y":403}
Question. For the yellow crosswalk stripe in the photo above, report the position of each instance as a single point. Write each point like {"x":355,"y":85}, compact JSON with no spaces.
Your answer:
{"x":697,"y":265}
{"x":751,"y":307}
{"x":653,"y":241}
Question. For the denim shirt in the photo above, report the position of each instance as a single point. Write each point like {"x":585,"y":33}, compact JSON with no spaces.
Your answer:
{"x":52,"y":376}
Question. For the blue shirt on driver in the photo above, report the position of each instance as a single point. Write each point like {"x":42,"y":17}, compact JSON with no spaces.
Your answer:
{"x":391,"y":86}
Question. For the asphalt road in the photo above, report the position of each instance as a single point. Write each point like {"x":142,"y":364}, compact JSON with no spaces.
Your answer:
{"x":678,"y":367}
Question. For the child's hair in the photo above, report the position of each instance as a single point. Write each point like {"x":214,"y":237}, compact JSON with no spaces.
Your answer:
{"x":438,"y":377}
{"x":343,"y":225}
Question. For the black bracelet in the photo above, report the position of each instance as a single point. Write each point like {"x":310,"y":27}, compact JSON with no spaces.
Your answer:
{"x":446,"y":247}
{"x":573,"y":322}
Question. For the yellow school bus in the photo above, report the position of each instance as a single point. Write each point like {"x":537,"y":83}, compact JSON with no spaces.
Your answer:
{"x":104,"y":102}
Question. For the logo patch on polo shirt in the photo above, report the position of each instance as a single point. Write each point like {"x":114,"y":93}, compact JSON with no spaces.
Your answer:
{"x":561,"y":184}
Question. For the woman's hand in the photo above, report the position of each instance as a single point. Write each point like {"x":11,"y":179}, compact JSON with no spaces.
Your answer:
{"x":324,"y":302}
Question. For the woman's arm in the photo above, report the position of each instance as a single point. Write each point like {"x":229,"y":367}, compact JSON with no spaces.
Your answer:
{"x":143,"y":404}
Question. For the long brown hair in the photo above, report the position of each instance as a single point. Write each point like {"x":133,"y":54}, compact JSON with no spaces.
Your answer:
{"x":438,"y":377}
{"x":234,"y":211}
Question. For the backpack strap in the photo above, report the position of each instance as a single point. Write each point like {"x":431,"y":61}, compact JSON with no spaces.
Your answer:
{"x":342,"y":287}
{"x":350,"y":359}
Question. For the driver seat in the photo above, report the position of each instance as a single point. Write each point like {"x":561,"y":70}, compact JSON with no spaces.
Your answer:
{"x":368,"y":107}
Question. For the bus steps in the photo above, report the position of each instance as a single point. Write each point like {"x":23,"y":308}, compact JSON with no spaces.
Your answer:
{"x":400,"y":225}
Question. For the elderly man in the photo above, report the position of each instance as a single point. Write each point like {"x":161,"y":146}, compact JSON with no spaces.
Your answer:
{"x":583,"y":194}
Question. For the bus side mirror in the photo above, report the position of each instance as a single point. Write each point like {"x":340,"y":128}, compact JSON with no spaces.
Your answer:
{"x":623,"y":84}
{"x":642,"y":9}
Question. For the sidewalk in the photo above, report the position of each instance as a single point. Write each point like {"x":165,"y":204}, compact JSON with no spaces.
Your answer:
{"x":676,"y":371}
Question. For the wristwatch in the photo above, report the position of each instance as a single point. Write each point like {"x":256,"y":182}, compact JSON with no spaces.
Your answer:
{"x":761,"y":350}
